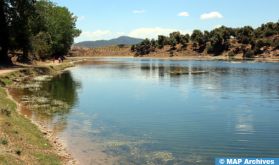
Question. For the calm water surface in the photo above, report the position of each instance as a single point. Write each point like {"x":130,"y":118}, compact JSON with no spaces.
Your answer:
{"x":136,"y":111}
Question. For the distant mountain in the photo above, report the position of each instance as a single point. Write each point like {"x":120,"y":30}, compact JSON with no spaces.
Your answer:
{"x":117,"y":41}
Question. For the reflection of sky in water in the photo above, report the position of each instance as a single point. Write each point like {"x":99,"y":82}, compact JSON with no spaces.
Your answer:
{"x":136,"y":107}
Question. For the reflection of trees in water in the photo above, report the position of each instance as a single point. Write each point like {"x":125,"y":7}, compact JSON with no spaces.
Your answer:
{"x":62,"y":87}
{"x":51,"y":102}
{"x":224,"y":78}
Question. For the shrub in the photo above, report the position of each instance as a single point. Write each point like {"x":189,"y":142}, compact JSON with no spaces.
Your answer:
{"x":249,"y":54}
{"x":4,"y":141}
{"x":5,"y":111}
{"x":231,"y":54}
{"x":275,"y":43}
{"x":18,"y":152}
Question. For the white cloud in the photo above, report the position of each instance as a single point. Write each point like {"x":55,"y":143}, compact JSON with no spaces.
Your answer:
{"x":137,"y":33}
{"x":95,"y":35}
{"x":183,"y":14}
{"x":211,"y":15}
{"x":153,"y":32}
{"x":141,"y":11}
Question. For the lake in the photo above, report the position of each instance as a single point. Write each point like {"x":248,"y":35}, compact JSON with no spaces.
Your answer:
{"x":135,"y":111}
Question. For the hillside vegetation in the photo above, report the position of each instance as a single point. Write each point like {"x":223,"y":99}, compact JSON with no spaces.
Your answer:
{"x":245,"y":42}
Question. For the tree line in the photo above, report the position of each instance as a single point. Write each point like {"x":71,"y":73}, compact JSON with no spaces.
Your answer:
{"x":35,"y":29}
{"x":252,"y":41}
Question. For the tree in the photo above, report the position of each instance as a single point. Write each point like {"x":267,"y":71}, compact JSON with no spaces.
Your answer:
{"x":176,"y":36}
{"x":162,"y":41}
{"x":216,"y":43}
{"x":60,"y":23}
{"x":15,"y":31}
{"x":172,"y":42}
{"x":219,"y":40}
{"x":185,"y":40}
{"x":40,"y":26}
{"x":41,"y":45}
{"x":153,"y":44}
{"x":245,"y":35}
{"x":4,"y":32}
{"x":198,"y":39}
{"x":143,"y":48}
{"x":55,"y":28}
{"x":267,"y":30}
{"x":133,"y":48}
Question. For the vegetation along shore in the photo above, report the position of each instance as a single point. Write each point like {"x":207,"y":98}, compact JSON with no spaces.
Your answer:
{"x":31,"y":32}
{"x":23,"y":142}
{"x":223,"y":43}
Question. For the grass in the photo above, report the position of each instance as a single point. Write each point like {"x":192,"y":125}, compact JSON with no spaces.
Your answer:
{"x":21,"y":142}
{"x":22,"y":138}
{"x":52,"y":159}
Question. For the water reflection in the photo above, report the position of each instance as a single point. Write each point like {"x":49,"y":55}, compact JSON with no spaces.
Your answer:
{"x":134,"y":111}
{"x":48,"y":100}
{"x":64,"y":88}
{"x":146,"y":114}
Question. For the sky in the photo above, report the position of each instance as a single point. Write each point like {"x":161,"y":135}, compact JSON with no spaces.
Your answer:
{"x":107,"y":19}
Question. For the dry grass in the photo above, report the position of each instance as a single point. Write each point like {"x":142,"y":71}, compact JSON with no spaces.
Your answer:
{"x":102,"y":51}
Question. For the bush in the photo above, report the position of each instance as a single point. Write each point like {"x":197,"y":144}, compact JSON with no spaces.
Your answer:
{"x":4,"y":141}
{"x":275,"y":43}
{"x":249,"y":54}
{"x":18,"y":152}
{"x":5,"y":111}
{"x":231,"y":54}
{"x":210,"y":49}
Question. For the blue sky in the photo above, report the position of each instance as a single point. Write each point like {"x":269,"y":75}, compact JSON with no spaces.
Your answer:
{"x":106,"y":19}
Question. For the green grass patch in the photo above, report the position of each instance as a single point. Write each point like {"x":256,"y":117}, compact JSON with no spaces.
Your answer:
{"x":3,"y":141}
{"x":49,"y":159}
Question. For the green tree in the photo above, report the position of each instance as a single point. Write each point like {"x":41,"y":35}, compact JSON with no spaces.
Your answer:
{"x":20,"y":26}
{"x":216,"y":43}
{"x":41,"y":45}
{"x":39,"y":26}
{"x":185,"y":40}
{"x":133,"y":48}
{"x":267,"y":30}
{"x":153,"y":44}
{"x":176,"y":36}
{"x":4,"y":32}
{"x":144,"y":47}
{"x":15,"y":30}
{"x":199,"y":40}
{"x":219,"y":40}
{"x":162,"y":41}
{"x":245,"y":35}
{"x":172,"y":43}
{"x":59,"y":23}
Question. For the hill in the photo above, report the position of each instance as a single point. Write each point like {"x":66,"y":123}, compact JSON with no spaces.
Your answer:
{"x":123,"y":40}
{"x":115,"y":50}
{"x":243,"y":42}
